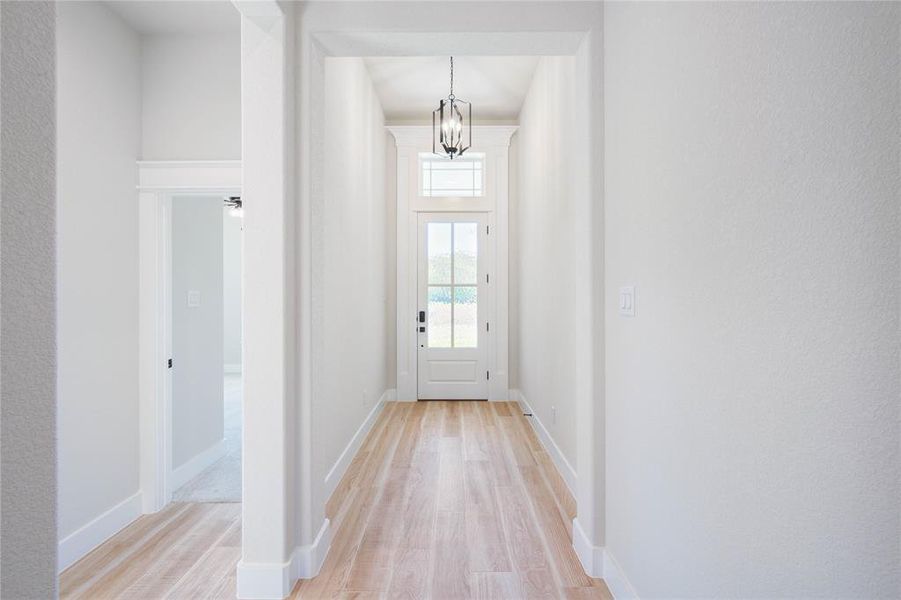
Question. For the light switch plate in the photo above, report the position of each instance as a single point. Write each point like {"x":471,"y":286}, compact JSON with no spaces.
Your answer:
{"x":193,"y":299}
{"x":627,"y":301}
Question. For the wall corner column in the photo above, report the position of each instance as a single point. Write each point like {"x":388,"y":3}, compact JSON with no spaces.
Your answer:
{"x":267,"y":569}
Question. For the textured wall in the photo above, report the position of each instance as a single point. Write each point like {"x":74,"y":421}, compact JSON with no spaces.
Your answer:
{"x":549,"y":261}
{"x":752,"y":197}
{"x":99,"y":136}
{"x":350,"y":267}
{"x":191,"y":96}
{"x":27,"y":300}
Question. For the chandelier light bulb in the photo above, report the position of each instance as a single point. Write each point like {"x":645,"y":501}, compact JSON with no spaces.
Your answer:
{"x":449,"y":124}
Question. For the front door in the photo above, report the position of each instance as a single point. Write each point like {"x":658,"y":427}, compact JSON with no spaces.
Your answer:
{"x":452,"y":285}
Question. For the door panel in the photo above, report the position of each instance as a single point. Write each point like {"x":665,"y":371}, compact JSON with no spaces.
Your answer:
{"x":451,"y":290}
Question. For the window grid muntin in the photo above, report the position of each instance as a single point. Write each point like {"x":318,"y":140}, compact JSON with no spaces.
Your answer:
{"x":472,"y":164}
{"x":452,"y":286}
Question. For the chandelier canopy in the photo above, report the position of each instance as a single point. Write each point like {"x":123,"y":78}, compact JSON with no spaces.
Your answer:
{"x":450,"y":129}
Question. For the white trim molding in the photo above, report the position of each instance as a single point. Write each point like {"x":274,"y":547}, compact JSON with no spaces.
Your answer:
{"x":350,"y":451}
{"x":599,"y":563}
{"x":265,"y":581}
{"x":197,"y":464}
{"x":78,"y":543}
{"x":158,"y":183}
{"x":189,"y":175}
{"x":563,"y":467}
{"x":591,"y":557}
{"x":274,"y":581}
{"x":308,"y":559}
{"x":231,"y":368}
{"x":616,"y":580}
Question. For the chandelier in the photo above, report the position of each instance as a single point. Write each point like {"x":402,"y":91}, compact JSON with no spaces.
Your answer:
{"x":448,"y":124}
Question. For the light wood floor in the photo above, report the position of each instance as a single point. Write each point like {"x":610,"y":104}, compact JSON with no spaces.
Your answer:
{"x":444,"y":500}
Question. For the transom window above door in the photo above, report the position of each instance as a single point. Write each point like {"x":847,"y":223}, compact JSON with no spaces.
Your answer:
{"x":452,"y":285}
{"x":442,"y":177}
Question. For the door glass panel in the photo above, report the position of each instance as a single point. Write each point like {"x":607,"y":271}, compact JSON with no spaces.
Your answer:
{"x":466,"y":314}
{"x":439,"y":248}
{"x":439,"y":325}
{"x":466,"y":244}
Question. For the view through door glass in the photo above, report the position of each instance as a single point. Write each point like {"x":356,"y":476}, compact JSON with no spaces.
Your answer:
{"x":452,"y":285}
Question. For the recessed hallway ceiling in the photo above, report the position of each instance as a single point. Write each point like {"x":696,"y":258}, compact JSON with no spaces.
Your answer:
{"x":409,"y":87}
{"x":151,"y":17}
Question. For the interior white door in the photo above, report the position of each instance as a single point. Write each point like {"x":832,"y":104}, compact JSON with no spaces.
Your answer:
{"x":452,"y":289}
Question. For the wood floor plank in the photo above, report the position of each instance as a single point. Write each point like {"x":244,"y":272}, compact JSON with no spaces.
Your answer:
{"x":113,"y":583}
{"x":496,"y":586}
{"x":487,"y":543}
{"x":451,"y":577}
{"x":538,"y":584}
{"x":523,"y":540}
{"x":554,"y":530}
{"x":163,"y":575}
{"x":112,"y":553}
{"x":410,"y":576}
{"x":587,"y":593}
{"x":450,"y":481}
{"x":444,"y":500}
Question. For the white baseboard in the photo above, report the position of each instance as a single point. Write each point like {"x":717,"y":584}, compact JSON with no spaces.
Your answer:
{"x":308,"y":559}
{"x":196,"y":465}
{"x":77,"y":544}
{"x":599,"y":563}
{"x":265,"y":581}
{"x":563,"y":466}
{"x":347,"y":455}
{"x":274,"y":581}
{"x":616,"y":580}
{"x":232,"y":368}
{"x":591,"y":557}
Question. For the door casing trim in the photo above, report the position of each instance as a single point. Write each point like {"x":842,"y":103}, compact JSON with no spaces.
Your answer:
{"x":494,"y":141}
{"x":158,"y":183}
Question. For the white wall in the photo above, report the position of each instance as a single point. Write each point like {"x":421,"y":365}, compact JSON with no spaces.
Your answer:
{"x":192,"y":96}
{"x":99,"y":128}
{"x":350,"y":262}
{"x":752,"y":197}
{"x":197,"y":331}
{"x":231,"y":290}
{"x":28,"y":353}
{"x":548,"y":257}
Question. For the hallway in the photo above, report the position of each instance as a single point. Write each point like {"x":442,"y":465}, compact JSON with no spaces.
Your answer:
{"x":452,"y":500}
{"x":443,"y":500}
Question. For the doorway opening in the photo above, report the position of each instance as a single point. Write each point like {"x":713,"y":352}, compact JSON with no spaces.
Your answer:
{"x":206,"y":356}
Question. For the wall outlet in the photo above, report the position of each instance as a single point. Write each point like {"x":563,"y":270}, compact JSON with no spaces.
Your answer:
{"x":193,"y":299}
{"x":627,"y":301}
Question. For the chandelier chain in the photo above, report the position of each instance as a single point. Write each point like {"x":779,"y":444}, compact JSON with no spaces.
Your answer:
{"x":451,"y":78}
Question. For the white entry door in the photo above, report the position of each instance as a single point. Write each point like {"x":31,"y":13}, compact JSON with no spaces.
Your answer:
{"x":452,"y":289}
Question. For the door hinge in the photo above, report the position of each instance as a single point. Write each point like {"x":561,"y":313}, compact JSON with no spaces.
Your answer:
{"x":487,"y":326}
{"x":169,"y":363}
{"x":487,"y":229}
{"x":487,"y":375}
{"x":487,"y":278}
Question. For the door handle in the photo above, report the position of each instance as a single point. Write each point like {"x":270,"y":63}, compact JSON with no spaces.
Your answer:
{"x":422,"y":316}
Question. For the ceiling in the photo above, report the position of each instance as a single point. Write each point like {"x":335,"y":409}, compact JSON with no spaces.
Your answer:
{"x":152,"y":17}
{"x":409,"y":87}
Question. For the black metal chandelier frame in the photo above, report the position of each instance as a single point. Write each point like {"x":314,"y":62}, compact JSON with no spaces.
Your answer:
{"x":449,"y":124}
